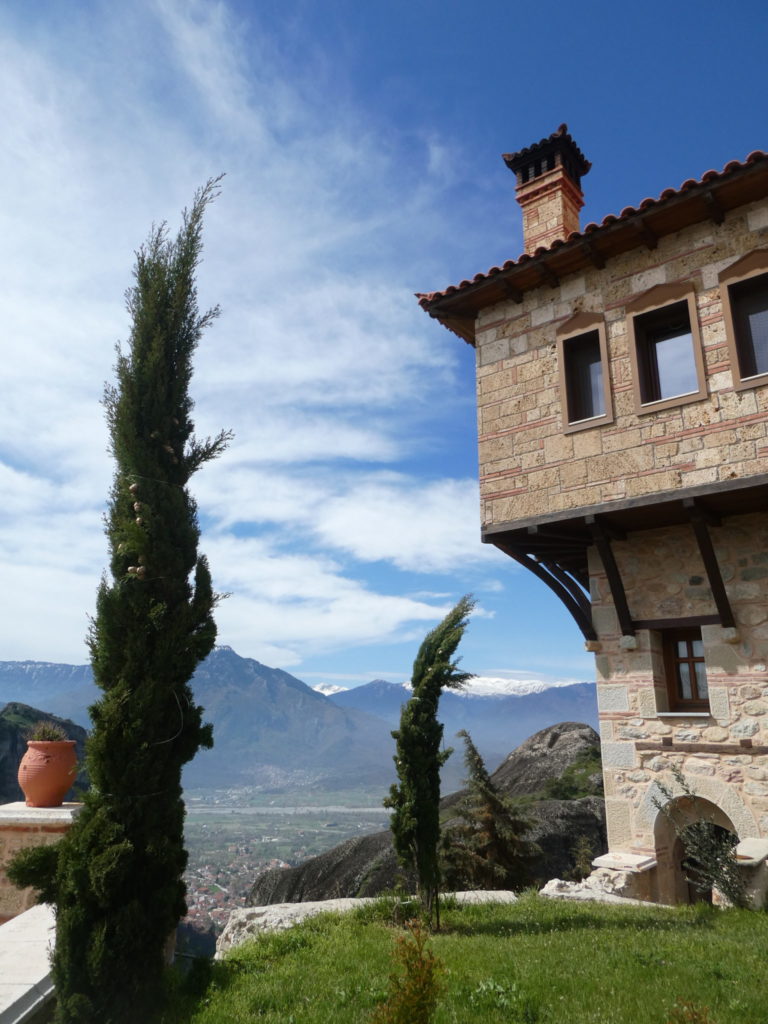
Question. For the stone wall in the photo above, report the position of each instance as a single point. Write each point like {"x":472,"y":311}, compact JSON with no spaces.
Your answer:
{"x":529,"y":466}
{"x":723,"y":754}
{"x":22,"y":827}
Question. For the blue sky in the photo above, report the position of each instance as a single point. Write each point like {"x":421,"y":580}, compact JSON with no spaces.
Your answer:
{"x":361,"y":144}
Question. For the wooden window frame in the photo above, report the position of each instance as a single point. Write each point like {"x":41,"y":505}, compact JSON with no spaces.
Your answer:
{"x":578,"y":326}
{"x":669,"y":639}
{"x":648,"y":302}
{"x":754,"y":264}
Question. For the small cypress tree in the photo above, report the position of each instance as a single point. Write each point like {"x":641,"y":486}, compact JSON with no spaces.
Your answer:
{"x":488,"y":849}
{"x":414,"y":984}
{"x":116,"y":877}
{"x":415,"y":799}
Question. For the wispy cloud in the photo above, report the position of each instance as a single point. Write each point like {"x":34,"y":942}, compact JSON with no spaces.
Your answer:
{"x":322,"y":364}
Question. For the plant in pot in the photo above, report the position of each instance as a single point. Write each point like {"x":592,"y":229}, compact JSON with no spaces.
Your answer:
{"x":48,"y":768}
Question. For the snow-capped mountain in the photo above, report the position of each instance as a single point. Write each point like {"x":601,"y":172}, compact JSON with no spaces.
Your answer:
{"x":493,"y":686}
{"x":498,"y":713}
{"x":328,"y":689}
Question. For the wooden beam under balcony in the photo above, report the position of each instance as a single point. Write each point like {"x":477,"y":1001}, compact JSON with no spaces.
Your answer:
{"x":701,"y":518}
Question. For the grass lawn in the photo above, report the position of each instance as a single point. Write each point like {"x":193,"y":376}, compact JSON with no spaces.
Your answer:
{"x":534,"y":962}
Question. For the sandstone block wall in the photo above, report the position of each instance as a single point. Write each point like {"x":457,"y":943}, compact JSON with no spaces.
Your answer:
{"x":22,"y":827}
{"x":723,"y":754}
{"x":529,"y":467}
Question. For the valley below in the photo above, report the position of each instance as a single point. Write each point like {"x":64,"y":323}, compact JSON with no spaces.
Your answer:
{"x":230,"y":844}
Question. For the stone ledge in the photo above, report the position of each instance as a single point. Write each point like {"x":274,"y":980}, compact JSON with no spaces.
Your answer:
{"x":698,"y":748}
{"x":683,"y":714}
{"x":18,"y":813}
{"x":619,"y":861}
{"x":26,"y":943}
{"x":751,"y":852}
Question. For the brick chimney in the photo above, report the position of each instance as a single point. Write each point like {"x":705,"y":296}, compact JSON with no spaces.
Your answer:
{"x":548,"y":188}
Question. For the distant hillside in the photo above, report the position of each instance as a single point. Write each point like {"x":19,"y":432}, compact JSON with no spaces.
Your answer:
{"x":496,"y":723}
{"x":270,"y":729}
{"x":64,"y":690}
{"x":270,"y":725}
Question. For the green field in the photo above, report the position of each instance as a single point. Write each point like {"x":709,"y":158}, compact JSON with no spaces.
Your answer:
{"x":534,"y":962}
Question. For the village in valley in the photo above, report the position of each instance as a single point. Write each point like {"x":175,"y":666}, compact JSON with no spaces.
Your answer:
{"x":230,"y":846}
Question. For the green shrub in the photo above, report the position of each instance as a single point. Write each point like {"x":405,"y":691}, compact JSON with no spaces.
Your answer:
{"x":584,"y":777}
{"x":414,"y":984}
{"x":46,"y":732}
{"x":583,"y":853}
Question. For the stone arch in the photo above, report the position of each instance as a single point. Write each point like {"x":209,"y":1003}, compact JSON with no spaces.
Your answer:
{"x":672,"y":880}
{"x":724,"y":797}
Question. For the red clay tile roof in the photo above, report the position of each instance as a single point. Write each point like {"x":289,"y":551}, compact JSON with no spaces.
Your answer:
{"x":714,"y":193}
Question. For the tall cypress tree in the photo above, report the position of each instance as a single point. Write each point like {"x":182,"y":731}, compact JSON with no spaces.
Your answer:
{"x":116,"y":878}
{"x":415,"y":799}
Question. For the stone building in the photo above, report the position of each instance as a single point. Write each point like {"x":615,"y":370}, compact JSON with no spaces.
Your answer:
{"x":622,"y":390}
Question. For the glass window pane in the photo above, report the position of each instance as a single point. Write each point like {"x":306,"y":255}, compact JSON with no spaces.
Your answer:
{"x":682,"y":648}
{"x":675,"y":365}
{"x":684,"y":678}
{"x":698,"y":648}
{"x":701,"y":680}
{"x":749,"y":301}
{"x":665,"y":353}
{"x":584,"y":377}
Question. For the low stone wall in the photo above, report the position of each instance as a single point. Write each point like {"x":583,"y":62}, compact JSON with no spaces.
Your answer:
{"x":26,"y":987}
{"x":20,"y":828}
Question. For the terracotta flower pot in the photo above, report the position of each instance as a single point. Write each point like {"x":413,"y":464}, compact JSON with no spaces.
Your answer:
{"x":47,"y":771}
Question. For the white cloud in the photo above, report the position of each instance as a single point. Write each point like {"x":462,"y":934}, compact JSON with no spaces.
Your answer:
{"x":415,"y":525}
{"x":322,"y":362}
{"x":295,"y":602}
{"x":429,"y":526}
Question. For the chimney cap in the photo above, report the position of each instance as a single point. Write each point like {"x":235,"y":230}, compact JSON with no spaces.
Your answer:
{"x":558,"y":143}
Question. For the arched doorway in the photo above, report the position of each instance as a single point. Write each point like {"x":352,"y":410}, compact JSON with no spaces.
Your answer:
{"x":677,"y":877}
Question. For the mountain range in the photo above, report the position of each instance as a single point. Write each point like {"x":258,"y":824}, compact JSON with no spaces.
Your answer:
{"x":274,"y":733}
{"x":496,"y":722}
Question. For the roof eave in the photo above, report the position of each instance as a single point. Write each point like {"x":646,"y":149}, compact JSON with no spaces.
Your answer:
{"x":695,"y":202}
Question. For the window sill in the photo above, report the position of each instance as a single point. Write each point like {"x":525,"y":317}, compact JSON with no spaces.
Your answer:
{"x":592,"y":421}
{"x":657,"y":404}
{"x":683,"y":714}
{"x":742,"y":383}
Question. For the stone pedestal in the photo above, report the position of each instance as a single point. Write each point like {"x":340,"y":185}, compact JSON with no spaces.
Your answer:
{"x":22,"y":827}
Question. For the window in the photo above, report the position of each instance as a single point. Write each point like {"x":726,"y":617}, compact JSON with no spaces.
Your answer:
{"x":744,"y":291}
{"x":665,"y":354}
{"x":584,"y":385}
{"x":584,"y":377}
{"x":749,"y":308}
{"x":665,"y":348}
{"x":685,"y":669}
